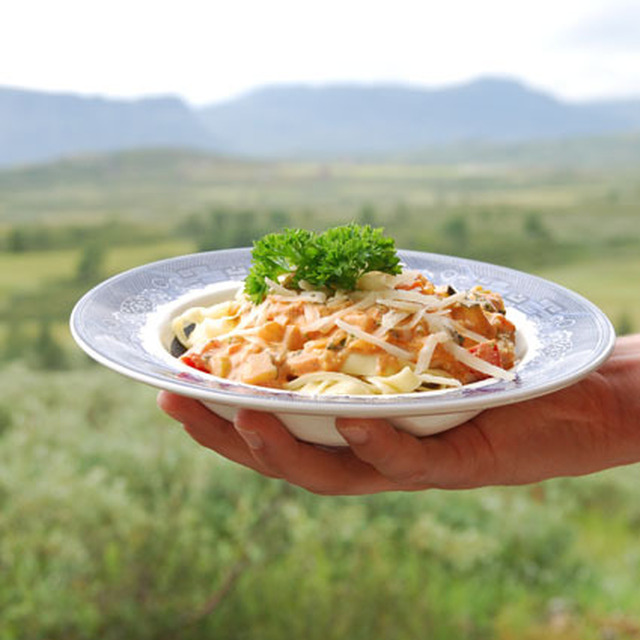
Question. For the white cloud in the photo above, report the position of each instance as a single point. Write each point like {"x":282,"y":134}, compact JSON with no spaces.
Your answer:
{"x":208,"y":50}
{"x":614,"y":29}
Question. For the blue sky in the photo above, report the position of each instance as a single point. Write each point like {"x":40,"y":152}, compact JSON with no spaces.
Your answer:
{"x":207,"y":51}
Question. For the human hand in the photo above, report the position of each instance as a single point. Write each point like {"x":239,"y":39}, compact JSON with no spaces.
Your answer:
{"x":587,"y":427}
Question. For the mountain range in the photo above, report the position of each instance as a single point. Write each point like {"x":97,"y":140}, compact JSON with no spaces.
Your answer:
{"x":37,"y":126}
{"x":302,"y":121}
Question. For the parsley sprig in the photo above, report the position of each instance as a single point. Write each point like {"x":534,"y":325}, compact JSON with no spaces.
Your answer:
{"x":332,"y":260}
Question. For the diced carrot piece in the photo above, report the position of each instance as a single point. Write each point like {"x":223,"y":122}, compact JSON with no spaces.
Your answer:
{"x":443,"y":359}
{"x":293,"y":339}
{"x":235,"y":347}
{"x":196,"y":361}
{"x":271,"y":332}
{"x":388,"y":364}
{"x":258,"y":369}
{"x":212,"y":345}
{"x":502,"y":325}
{"x":420,"y":283}
{"x":302,"y":363}
{"x":416,"y":284}
{"x":363,"y":346}
{"x":220,"y":366}
{"x":361,"y":320}
{"x":489,"y":352}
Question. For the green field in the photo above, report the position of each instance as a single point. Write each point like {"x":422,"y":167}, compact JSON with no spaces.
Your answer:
{"x":579,"y":227}
{"x":114,"y":524}
{"x":158,"y":187}
{"x":612,"y":284}
{"x":30,"y":269}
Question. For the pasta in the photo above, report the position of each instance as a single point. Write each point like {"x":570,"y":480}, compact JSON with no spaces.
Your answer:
{"x":394,"y":334}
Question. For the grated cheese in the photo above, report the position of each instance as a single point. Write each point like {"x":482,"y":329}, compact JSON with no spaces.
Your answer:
{"x":478,"y":363}
{"x":378,"y":342}
{"x":390,"y":320}
{"x":311,"y":314}
{"x":279,"y":289}
{"x":445,"y":381}
{"x":426,"y":353}
{"x":400,"y":304}
{"x":326,"y":322}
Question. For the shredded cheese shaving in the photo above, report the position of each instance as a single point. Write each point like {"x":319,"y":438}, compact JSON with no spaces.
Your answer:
{"x":478,"y":363}
{"x":378,"y":342}
{"x":394,"y":334}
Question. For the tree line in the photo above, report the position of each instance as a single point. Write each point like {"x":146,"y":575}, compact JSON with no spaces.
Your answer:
{"x":515,"y":238}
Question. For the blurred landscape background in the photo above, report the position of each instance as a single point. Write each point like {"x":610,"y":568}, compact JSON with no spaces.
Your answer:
{"x":114,"y":524}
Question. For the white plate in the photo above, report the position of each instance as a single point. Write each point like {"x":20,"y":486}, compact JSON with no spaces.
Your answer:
{"x":123,"y":324}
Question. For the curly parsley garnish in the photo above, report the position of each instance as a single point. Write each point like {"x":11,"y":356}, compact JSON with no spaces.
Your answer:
{"x":332,"y":260}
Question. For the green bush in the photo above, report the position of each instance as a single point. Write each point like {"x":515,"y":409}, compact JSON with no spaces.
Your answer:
{"x":47,"y":353}
{"x":115,"y":524}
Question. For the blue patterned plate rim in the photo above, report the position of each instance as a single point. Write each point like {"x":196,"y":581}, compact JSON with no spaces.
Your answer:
{"x":567,"y":335}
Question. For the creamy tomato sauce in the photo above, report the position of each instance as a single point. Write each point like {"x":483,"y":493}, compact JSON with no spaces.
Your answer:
{"x":394,"y":334}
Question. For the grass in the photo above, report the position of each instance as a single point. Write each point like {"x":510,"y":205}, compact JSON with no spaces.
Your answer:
{"x":29,"y":270}
{"x":610,"y":283}
{"x":37,"y":275}
{"x":156,"y":187}
{"x":113,"y":520}
{"x":122,"y":258}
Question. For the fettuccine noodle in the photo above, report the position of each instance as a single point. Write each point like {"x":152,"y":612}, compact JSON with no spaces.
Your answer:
{"x":393,"y":335}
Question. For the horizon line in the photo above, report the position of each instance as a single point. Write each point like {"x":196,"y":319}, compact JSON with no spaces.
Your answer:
{"x":320,"y":85}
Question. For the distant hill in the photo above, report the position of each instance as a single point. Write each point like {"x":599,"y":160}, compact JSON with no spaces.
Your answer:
{"x":614,"y":151}
{"x":351,"y":120}
{"x":299,"y":121}
{"x":135,"y":184}
{"x":625,"y":110}
{"x":36,"y":126}
{"x":161,"y":185}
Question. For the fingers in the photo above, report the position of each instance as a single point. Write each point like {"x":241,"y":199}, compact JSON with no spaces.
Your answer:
{"x":322,"y":471}
{"x":459,"y":458}
{"x":395,"y":454}
{"x":380,"y":457}
{"x":208,"y":429}
{"x":259,"y":441}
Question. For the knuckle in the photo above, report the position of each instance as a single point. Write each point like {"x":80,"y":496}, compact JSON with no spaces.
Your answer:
{"x":410,"y":477}
{"x":404,"y":461}
{"x":477,"y":461}
{"x":270,"y":474}
{"x":319,"y":490}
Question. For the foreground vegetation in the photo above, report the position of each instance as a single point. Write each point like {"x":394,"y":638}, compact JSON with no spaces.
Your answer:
{"x":114,"y":524}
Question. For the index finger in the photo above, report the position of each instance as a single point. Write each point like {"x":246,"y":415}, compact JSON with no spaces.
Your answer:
{"x":460,"y":458}
{"x":322,"y":471}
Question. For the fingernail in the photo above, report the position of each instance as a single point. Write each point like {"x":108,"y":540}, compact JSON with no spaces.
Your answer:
{"x":253,"y":439}
{"x":355,"y":435}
